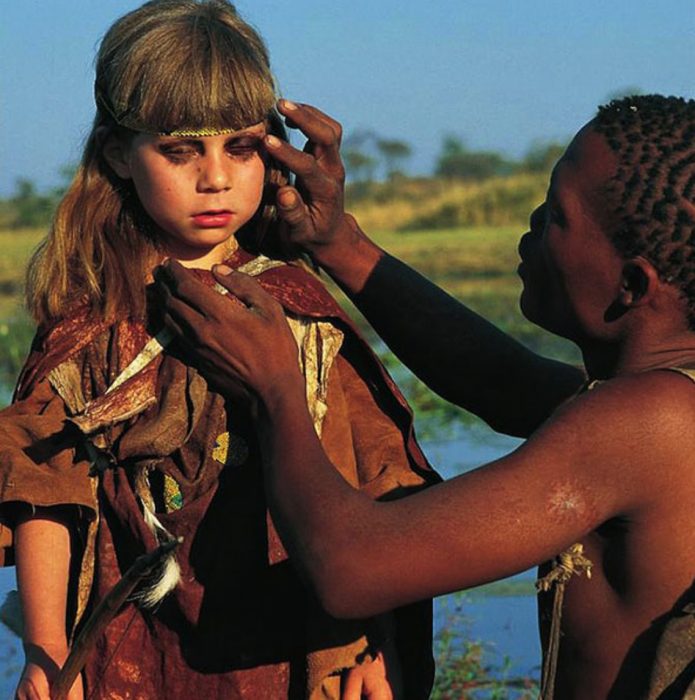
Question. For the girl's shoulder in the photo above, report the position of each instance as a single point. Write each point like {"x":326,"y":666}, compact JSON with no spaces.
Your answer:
{"x":95,"y":346}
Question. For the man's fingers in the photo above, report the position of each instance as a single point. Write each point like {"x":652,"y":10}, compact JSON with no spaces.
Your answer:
{"x":245,"y":288}
{"x":312,"y":122}
{"x":174,"y":281}
{"x":300,"y":162}
{"x":323,"y":133}
{"x":182,"y":319}
{"x":293,"y":212}
{"x":300,"y":110}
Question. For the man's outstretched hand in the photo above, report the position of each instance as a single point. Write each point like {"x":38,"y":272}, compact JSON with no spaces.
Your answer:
{"x":313,"y":210}
{"x":241,"y":342}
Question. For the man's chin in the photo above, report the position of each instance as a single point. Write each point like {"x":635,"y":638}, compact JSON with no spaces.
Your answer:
{"x":527,"y":307}
{"x":532,"y":313}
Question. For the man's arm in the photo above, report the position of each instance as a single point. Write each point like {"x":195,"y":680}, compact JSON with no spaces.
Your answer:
{"x":363,"y":557}
{"x":454,"y":351}
{"x":457,"y":353}
{"x":482,"y":526}
{"x":579,"y":471}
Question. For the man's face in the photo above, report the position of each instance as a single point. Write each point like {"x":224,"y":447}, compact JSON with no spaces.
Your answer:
{"x":570,"y":270}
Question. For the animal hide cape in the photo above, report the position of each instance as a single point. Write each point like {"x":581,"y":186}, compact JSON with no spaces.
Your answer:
{"x":238,"y":624}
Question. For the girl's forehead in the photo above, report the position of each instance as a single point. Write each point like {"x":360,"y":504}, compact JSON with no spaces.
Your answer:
{"x":162,"y":116}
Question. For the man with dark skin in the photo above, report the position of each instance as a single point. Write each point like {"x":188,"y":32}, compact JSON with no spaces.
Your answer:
{"x":611,"y":468}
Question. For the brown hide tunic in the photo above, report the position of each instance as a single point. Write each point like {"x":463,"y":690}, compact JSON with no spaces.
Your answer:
{"x":239,"y":624}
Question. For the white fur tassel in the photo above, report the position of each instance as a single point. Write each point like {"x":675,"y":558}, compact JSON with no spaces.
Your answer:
{"x":151,"y":594}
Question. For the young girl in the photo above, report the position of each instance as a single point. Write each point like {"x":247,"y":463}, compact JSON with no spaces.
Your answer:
{"x":115,"y":442}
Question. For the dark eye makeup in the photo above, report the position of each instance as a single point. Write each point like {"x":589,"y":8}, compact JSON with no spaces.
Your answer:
{"x":241,"y":147}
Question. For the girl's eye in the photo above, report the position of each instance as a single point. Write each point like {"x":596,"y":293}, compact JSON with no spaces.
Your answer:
{"x":244,"y":148}
{"x":178,"y":153}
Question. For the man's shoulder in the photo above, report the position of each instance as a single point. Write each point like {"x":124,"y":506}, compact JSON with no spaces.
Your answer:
{"x":641,"y":421}
{"x":660,"y":398}
{"x":622,"y":447}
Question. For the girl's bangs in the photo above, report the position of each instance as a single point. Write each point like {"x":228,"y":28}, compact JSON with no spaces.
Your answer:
{"x":210,"y":83}
{"x":187,"y":105}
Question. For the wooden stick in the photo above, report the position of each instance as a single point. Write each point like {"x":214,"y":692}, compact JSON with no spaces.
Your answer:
{"x":103,"y":614}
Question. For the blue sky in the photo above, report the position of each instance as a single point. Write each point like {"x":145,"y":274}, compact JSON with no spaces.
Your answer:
{"x":496,"y":73}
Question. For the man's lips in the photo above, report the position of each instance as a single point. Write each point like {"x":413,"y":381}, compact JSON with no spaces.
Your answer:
{"x":213,"y":218}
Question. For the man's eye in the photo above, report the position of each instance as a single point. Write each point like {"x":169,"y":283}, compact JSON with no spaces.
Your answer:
{"x":556,"y":215}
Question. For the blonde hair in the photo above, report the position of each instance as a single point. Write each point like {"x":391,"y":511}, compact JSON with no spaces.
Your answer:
{"x":168,"y":66}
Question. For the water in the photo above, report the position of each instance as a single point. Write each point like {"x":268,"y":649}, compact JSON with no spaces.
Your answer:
{"x":11,"y":654}
{"x":506,"y":625}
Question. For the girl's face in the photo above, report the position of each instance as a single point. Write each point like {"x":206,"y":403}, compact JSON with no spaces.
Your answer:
{"x":199,"y":191}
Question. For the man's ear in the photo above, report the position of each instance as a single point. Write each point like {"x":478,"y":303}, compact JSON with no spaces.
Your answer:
{"x":639,"y":282}
{"x":115,"y":150}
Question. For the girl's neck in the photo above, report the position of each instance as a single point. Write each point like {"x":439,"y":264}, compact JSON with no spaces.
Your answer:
{"x":208,"y":258}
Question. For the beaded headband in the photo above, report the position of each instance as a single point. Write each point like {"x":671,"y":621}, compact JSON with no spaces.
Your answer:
{"x":123,"y":119}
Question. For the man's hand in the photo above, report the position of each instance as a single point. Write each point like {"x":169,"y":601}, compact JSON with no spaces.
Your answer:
{"x":241,"y":343}
{"x":313,"y":210}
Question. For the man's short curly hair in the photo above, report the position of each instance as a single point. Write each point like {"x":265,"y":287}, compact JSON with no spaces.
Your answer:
{"x":653,"y":189}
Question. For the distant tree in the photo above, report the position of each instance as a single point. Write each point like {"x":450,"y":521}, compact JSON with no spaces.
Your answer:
{"x":394,"y":153}
{"x":359,"y":139}
{"x":456,"y":160}
{"x":541,"y":156}
{"x":67,"y":173}
{"x":30,"y":207}
{"x":359,"y":166}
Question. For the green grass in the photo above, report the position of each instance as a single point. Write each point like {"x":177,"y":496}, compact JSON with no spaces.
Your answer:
{"x":421,"y":203}
{"x":17,"y":246}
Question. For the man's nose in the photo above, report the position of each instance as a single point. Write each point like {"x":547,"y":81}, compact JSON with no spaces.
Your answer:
{"x":537,"y":219}
{"x":523,"y":244}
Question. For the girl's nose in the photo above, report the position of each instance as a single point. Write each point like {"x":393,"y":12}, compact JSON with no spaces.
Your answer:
{"x":215,"y":173}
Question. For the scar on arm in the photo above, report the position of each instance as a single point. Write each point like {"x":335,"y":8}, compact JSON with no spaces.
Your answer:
{"x":566,"y":500}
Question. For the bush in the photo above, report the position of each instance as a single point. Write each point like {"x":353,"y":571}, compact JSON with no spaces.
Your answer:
{"x":461,"y":670}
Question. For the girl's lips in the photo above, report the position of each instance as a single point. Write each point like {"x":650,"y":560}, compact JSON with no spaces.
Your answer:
{"x":212,"y":219}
